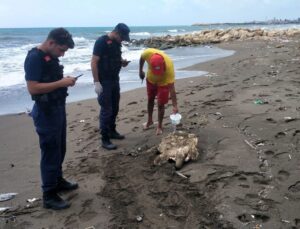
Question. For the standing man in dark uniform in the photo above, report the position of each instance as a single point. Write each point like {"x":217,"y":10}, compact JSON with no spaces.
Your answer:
{"x":106,"y":64}
{"x":48,"y":88}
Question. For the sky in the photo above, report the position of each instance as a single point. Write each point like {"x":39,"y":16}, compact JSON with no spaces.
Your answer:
{"x":98,"y":13}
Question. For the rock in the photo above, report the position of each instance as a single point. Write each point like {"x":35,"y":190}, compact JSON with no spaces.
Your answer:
{"x":226,"y":37}
{"x":214,"y":36}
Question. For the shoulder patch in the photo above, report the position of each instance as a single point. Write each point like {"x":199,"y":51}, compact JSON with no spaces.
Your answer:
{"x":47,"y":58}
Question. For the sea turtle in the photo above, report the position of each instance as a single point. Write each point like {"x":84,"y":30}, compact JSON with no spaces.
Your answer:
{"x":178,"y":146}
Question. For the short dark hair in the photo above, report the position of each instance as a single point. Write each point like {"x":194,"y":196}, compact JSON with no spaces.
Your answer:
{"x":62,"y":37}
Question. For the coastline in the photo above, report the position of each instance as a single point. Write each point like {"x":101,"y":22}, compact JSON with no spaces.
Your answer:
{"x":247,"y":174}
{"x":14,"y":100}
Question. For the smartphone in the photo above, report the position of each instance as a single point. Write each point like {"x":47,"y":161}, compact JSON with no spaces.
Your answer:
{"x":126,"y":61}
{"x":76,"y":77}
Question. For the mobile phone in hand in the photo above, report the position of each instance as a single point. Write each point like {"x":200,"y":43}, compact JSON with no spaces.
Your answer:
{"x":76,"y":77}
{"x":126,"y":61}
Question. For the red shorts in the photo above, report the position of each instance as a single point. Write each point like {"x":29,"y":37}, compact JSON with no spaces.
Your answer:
{"x":162,"y":93}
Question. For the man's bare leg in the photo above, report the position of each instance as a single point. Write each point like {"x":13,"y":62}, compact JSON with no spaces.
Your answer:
{"x":150,"y":108}
{"x":161,"y":113}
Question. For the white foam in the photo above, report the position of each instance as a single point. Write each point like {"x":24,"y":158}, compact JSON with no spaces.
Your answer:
{"x":80,"y":39}
{"x":140,"y":34}
{"x":132,"y":55}
{"x":76,"y":67}
{"x":173,"y":30}
{"x":12,"y":79}
{"x":12,"y":65}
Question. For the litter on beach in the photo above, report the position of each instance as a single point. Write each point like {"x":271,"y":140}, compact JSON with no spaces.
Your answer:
{"x":181,"y":175}
{"x":7,"y":196}
{"x":289,"y":119}
{"x":139,"y":218}
{"x":33,"y":200}
{"x":260,"y":102}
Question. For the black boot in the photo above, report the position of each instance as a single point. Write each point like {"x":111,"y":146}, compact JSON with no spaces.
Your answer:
{"x":107,"y":144}
{"x":64,"y":185}
{"x":53,"y":201}
{"x":115,"y":135}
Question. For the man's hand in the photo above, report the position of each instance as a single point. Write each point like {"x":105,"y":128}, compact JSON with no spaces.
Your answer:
{"x":142,"y":75}
{"x":98,"y":88}
{"x":68,"y":81}
{"x":125,"y":63}
{"x":35,"y":87}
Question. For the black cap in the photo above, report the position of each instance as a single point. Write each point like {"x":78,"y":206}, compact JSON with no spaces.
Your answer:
{"x":123,"y":30}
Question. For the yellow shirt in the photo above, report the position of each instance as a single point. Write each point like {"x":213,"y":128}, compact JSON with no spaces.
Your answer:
{"x":161,"y":80}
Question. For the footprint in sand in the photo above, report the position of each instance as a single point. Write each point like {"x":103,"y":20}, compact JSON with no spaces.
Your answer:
{"x":246,"y":218}
{"x":280,"y":134}
{"x":87,"y":216}
{"x":271,"y":120}
{"x":132,"y":103}
{"x":282,"y":176}
{"x":244,"y":180}
{"x":71,"y":221}
{"x":255,"y":202}
{"x":282,"y":156}
{"x":134,"y":129}
{"x":259,"y":179}
{"x":296,"y":132}
{"x":295,"y":187}
{"x":269,"y":153}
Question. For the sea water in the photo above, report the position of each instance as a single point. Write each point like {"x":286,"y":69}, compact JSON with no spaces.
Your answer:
{"x":16,"y":42}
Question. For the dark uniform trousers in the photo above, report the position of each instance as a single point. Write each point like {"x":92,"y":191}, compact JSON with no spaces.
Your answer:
{"x":51,"y":128}
{"x":109,"y":102}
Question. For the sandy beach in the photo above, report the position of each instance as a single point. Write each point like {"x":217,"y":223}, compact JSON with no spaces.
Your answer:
{"x":245,"y":112}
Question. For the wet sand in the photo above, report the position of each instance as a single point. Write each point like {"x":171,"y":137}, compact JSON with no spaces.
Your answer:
{"x":245,"y":113}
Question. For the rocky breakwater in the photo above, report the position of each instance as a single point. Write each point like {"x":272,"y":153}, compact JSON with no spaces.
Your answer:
{"x":214,"y":36}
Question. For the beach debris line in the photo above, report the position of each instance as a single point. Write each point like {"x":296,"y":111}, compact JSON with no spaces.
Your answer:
{"x":3,"y":209}
{"x":178,"y":146}
{"x":7,"y":196}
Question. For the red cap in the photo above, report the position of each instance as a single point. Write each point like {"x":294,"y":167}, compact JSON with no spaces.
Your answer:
{"x":157,"y":64}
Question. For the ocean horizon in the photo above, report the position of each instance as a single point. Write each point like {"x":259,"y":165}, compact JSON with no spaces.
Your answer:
{"x":16,"y":42}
